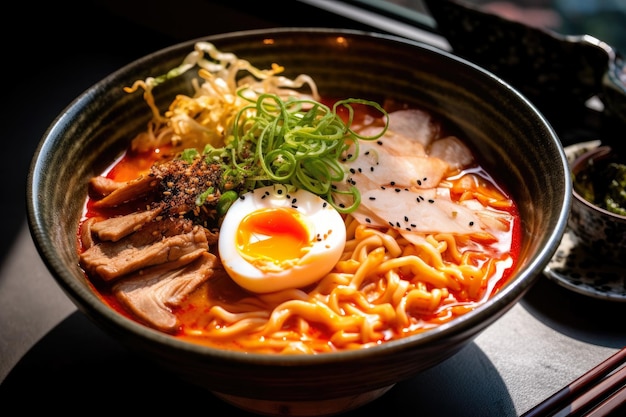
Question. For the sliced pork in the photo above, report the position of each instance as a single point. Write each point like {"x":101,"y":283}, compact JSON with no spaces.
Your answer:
{"x":151,"y":293}
{"x":156,"y":243}
{"x":115,"y":228}
{"x":124,"y":192}
{"x":157,"y":256}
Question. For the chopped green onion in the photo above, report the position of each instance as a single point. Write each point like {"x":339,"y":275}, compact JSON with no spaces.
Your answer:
{"x":226,"y":200}
{"x":294,"y":141}
{"x":201,"y":198}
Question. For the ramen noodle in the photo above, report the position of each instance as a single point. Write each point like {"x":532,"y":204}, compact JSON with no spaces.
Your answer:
{"x":257,"y":215}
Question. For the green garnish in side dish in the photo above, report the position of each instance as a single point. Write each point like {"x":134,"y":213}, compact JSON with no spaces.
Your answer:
{"x":615,"y":198}
{"x":604,"y":185}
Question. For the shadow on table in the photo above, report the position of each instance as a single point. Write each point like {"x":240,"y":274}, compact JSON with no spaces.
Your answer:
{"x":77,"y":367}
{"x":579,"y":316}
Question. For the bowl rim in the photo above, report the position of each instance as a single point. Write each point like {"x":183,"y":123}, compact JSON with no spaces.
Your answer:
{"x":482,"y":315}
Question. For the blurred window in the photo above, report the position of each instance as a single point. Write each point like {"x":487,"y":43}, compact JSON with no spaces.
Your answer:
{"x":603,"y":19}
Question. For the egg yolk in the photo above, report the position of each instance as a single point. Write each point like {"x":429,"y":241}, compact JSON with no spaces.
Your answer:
{"x":274,"y":235}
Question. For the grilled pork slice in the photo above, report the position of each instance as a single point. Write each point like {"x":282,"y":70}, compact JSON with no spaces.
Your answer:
{"x":122,"y":192}
{"x":86,"y":235}
{"x":156,"y":243}
{"x":115,"y":228}
{"x":176,"y":185}
{"x":104,"y":186}
{"x":150,"y":294}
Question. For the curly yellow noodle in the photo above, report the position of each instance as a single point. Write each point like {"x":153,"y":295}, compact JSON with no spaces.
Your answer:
{"x":221,"y":314}
{"x":276,"y":298}
{"x":335,"y":279}
{"x":365,"y":246}
{"x":316,"y":312}
{"x":388,"y":239}
{"x":431,"y":253}
{"x":347,"y":340}
{"x":425,"y":301}
{"x":400,"y":287}
{"x":233,"y":331}
{"x":368,"y":265}
{"x":447,"y":243}
{"x":421,"y":271}
{"x":349,"y":300}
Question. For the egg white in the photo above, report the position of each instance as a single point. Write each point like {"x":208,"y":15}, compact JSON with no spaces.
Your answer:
{"x":327,"y":240}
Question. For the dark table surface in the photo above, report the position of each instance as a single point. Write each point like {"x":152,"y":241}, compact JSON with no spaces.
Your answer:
{"x":49,"y":352}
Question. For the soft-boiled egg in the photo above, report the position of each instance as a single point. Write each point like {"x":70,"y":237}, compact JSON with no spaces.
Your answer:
{"x":273,"y":239}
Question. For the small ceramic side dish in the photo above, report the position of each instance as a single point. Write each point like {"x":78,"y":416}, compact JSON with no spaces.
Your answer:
{"x":598,"y":196}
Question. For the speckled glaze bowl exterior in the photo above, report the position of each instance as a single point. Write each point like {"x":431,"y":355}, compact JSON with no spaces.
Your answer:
{"x":603,"y":232}
{"x":510,"y":136}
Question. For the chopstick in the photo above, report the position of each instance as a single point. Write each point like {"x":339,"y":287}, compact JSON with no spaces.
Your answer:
{"x":609,"y":405}
{"x":589,"y":390}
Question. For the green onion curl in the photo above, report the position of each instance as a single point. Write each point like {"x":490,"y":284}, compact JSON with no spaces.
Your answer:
{"x":293,"y":141}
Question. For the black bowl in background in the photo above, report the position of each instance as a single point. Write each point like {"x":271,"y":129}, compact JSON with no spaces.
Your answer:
{"x":598,"y":229}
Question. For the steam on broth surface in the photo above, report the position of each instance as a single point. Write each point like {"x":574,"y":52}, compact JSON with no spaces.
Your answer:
{"x":422,"y":233}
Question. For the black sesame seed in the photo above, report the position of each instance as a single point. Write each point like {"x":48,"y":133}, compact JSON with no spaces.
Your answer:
{"x":406,"y":219}
{"x":392,"y":183}
{"x":367,"y":220}
{"x":430,"y":200}
{"x":325,"y":204}
{"x":380,"y":142}
{"x":471,"y":223}
{"x":372,"y":198}
{"x":397,"y":190}
{"x":352,"y":171}
{"x":371,"y":169}
{"x":293,"y":201}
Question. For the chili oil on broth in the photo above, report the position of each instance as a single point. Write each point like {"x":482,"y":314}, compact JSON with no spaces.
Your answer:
{"x":347,"y":309}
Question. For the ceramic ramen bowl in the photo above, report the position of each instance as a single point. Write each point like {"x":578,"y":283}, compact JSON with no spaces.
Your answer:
{"x":591,"y":221}
{"x":512,"y":139}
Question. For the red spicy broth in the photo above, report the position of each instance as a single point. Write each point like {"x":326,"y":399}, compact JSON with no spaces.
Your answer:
{"x":210,"y":314}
